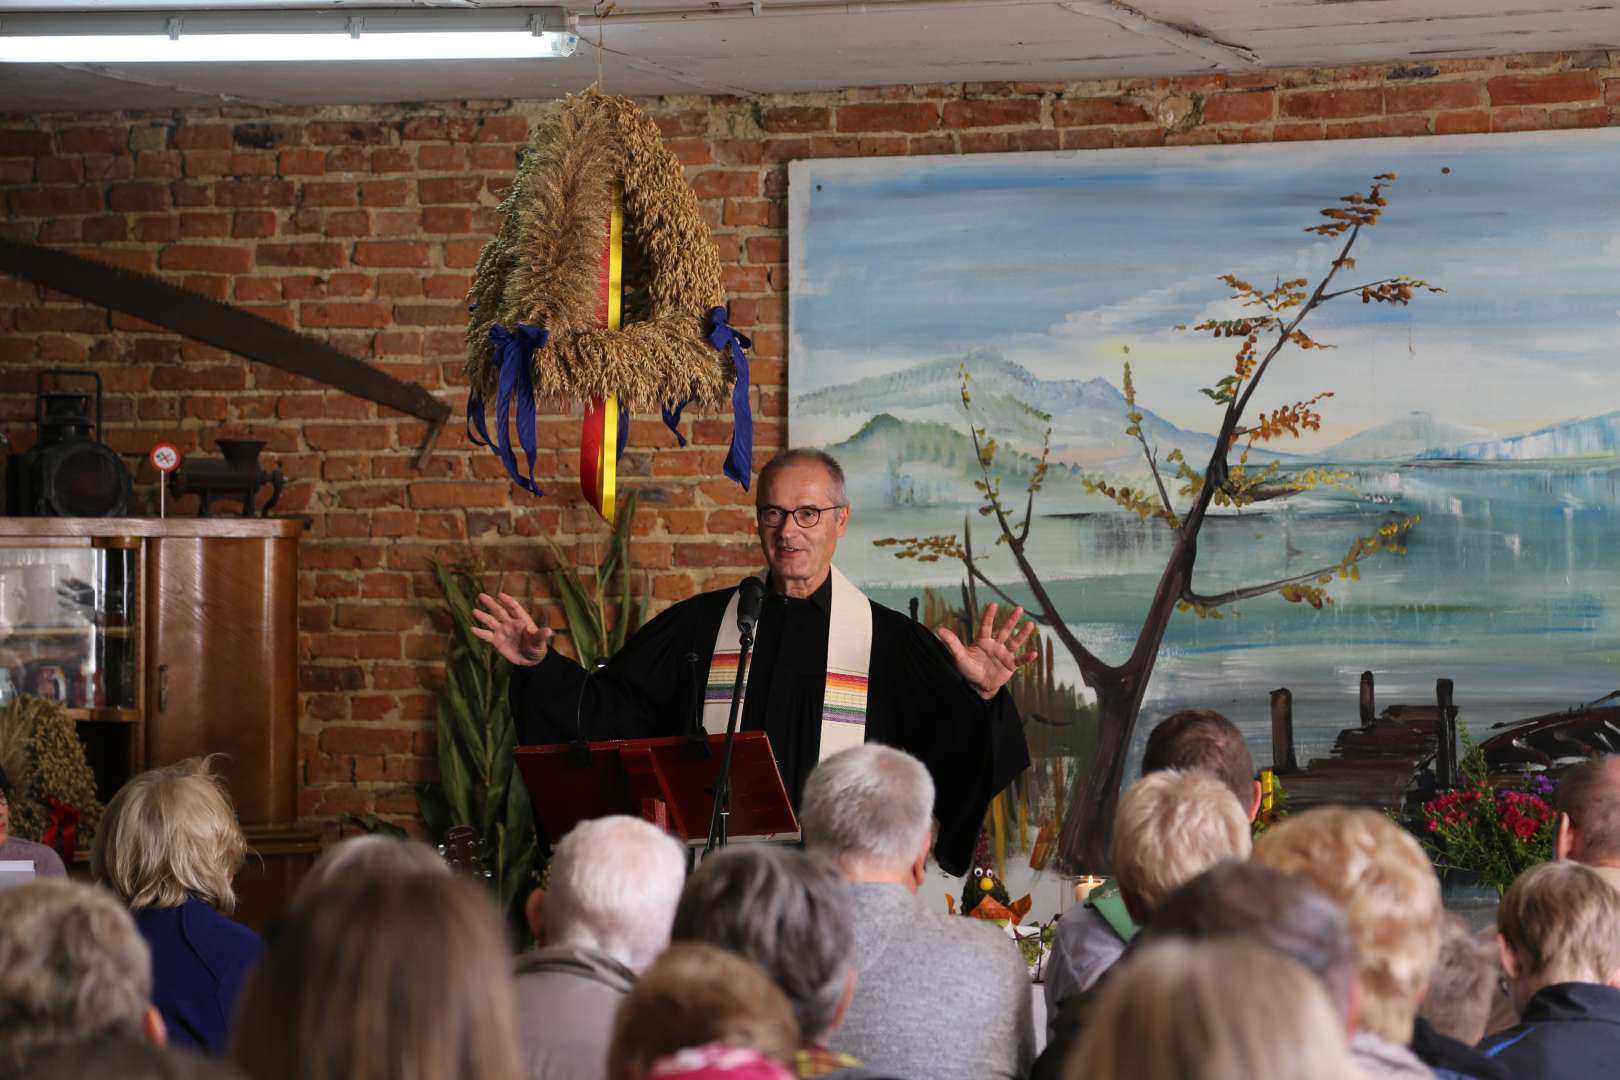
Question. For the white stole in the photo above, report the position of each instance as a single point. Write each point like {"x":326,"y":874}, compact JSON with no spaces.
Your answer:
{"x":849,"y":662}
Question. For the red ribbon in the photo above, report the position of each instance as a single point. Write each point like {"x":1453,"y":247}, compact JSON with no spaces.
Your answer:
{"x":62,"y":833}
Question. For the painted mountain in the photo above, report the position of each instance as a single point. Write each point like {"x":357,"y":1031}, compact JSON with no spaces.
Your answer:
{"x":1405,"y":438}
{"x":1597,"y":436}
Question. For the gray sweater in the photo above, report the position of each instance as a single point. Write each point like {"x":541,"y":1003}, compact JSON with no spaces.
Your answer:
{"x":566,"y":999}
{"x":936,"y":995}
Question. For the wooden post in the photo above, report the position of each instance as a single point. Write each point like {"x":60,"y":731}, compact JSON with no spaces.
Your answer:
{"x":1445,"y":758}
{"x":1367,"y":707}
{"x":1282,"y":732}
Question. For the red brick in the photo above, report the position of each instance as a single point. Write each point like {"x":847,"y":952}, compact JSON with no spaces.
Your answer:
{"x":461,"y":254}
{"x":918,"y":116}
{"x":1240,"y":108}
{"x":795,"y":119}
{"x":316,"y":316}
{"x":348,"y":223}
{"x":1331,"y":104}
{"x":48,"y":202}
{"x":687,"y":122}
{"x":718,"y":183}
{"x":340,"y":194}
{"x":223,"y":378}
{"x":447,"y":219}
{"x":1089,"y":138}
{"x":390,"y":159}
{"x":201,"y":137}
{"x":60,"y":170}
{"x":158,"y":164}
{"x":1545,"y":89}
{"x":268,"y":193}
{"x":364,"y":740}
{"x":439,"y":158}
{"x":253,"y":224}
{"x":104,"y":229}
{"x":1297,"y":132}
{"x":15,"y":142}
{"x":202,"y":163}
{"x":210,"y":259}
{"x":503,"y":129}
{"x":301,"y":161}
{"x":449,"y":189}
{"x":429,"y":495}
{"x":257,"y":290}
{"x":347,"y":132}
{"x":1471,"y":122}
{"x":90,"y":140}
{"x":390,"y":253}
{"x":383,"y":193}
{"x":158,"y":229}
{"x":1084,"y":112}
{"x":317,"y":255}
{"x":1428,"y":96}
{"x":973,"y":114}
{"x":253,"y":163}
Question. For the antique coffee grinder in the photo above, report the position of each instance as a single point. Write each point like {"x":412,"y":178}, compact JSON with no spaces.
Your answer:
{"x":68,"y":472}
{"x":237,"y":477}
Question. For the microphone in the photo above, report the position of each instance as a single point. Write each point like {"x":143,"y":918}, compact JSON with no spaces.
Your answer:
{"x":750,"y":600}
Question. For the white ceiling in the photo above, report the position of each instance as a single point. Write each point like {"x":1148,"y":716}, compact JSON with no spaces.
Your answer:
{"x":691,"y":47}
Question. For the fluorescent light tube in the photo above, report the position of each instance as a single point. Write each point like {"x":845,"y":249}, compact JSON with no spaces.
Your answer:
{"x":244,"y":37}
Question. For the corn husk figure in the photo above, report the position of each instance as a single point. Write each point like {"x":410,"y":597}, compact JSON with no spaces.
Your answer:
{"x":602,"y":286}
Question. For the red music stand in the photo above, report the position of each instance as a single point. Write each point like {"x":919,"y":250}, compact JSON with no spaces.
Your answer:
{"x":667,"y":781}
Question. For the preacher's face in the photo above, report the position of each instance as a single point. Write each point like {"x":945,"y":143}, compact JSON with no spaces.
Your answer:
{"x":799,"y":557}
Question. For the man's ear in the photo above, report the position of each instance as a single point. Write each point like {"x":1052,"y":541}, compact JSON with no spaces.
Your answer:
{"x":1255,"y":800}
{"x":533,"y":911}
{"x":1511,"y":967}
{"x":1564,"y":838}
{"x":153,"y":1028}
{"x":919,"y":865}
{"x":1352,"y":1006}
{"x":843,"y":1002}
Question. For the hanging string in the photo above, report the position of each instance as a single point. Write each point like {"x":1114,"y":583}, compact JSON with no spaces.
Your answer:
{"x":602,"y":10}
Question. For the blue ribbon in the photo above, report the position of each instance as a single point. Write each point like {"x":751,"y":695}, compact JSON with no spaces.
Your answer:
{"x":672,"y":420}
{"x":740,"y":458}
{"x":514,"y":355}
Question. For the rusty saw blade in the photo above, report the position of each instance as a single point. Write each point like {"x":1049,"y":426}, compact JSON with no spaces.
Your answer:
{"x":224,"y":326}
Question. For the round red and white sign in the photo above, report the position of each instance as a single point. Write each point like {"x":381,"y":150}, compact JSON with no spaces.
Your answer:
{"x":165,"y":457}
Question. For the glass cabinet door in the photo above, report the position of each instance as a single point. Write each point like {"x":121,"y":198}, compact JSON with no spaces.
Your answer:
{"x":69,"y":626}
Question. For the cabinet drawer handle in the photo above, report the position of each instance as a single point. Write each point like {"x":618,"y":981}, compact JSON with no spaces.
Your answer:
{"x":163,"y":687}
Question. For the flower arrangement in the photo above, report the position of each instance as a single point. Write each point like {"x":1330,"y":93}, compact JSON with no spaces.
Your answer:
{"x":1493,"y":833}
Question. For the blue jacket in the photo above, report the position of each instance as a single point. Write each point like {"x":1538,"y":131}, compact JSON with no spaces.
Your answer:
{"x":1568,"y":1030}
{"x":199,"y":962}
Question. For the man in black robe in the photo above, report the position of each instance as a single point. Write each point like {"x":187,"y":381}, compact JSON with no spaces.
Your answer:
{"x":935,"y":697}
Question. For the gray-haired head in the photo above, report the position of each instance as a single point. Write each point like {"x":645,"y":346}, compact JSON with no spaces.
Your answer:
{"x":613,"y":886}
{"x":370,"y":855}
{"x":72,"y":966}
{"x":785,"y":910}
{"x":870,"y":805}
{"x":805,"y":453}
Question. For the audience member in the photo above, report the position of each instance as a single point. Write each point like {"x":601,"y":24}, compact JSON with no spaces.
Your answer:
{"x":1218,"y":1010}
{"x":1463,"y":985}
{"x":1588,"y":798}
{"x":936,"y":995}
{"x":1091,"y":938}
{"x":1386,"y":885}
{"x":72,"y":967}
{"x":1559,"y":929}
{"x":168,"y":846}
{"x":694,"y":996}
{"x":47,"y":863}
{"x":1171,"y":826}
{"x":368,"y":855}
{"x":717,"y":1061}
{"x":604,"y":917}
{"x":380,"y":978}
{"x":125,"y":1059}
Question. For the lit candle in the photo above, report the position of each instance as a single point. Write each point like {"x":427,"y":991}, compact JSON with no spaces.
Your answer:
{"x":1083,"y":887}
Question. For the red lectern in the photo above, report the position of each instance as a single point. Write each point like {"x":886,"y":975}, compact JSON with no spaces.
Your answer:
{"x":668,"y":781}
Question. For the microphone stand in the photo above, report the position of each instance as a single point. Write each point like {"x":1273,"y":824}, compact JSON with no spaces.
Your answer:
{"x":719,"y":819}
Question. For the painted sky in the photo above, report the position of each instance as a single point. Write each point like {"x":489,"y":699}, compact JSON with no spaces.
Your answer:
{"x":1062,"y":261}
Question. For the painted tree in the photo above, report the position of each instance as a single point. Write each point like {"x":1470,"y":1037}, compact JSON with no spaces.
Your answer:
{"x":1267,"y":328}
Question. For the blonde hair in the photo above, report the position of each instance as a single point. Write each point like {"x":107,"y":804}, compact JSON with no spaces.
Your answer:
{"x":170,"y":834}
{"x":1563,"y":921}
{"x":371,"y":855}
{"x":72,"y":967}
{"x":694,"y":995}
{"x":385,"y":976}
{"x":1171,"y":1013}
{"x":1171,"y":827}
{"x":1385,"y":883}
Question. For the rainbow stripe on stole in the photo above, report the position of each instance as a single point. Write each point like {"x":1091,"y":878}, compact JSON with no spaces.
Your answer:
{"x":602,"y":434}
{"x":849,"y":653}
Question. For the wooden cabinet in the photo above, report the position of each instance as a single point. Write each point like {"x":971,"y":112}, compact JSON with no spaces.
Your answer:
{"x":168,"y":639}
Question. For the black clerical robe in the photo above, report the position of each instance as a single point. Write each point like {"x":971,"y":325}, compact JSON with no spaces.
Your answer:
{"x":916,"y":701}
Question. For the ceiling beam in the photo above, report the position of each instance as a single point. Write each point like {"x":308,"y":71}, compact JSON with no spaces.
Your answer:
{"x":1219,"y":53}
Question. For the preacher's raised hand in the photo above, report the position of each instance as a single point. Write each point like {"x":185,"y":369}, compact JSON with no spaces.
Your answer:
{"x":990,"y":661}
{"x":507,"y":627}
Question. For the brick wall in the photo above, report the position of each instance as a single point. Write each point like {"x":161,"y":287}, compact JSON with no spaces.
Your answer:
{"x":361,"y":225}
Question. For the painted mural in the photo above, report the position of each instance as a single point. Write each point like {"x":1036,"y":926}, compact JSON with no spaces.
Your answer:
{"x":1490,"y":413}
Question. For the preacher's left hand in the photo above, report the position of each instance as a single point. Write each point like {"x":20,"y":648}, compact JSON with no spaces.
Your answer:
{"x":990,"y":661}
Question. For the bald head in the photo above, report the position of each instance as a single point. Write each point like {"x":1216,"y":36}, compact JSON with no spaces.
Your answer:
{"x":1589,"y":797}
